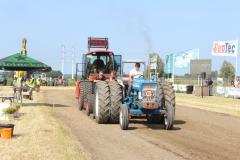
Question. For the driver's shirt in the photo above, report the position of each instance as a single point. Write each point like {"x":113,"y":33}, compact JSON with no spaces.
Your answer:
{"x":135,"y":74}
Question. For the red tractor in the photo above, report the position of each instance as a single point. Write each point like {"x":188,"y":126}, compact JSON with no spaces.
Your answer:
{"x":97,"y":90}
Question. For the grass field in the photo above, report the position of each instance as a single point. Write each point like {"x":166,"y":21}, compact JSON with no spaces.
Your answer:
{"x":213,"y":103}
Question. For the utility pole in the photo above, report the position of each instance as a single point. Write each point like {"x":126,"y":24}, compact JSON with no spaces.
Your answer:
{"x":73,"y":51}
{"x":63,"y":56}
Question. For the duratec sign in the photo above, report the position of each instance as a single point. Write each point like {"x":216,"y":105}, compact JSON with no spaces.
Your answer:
{"x":225,"y":48}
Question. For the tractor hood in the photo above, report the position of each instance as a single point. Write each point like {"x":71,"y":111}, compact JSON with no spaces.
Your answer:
{"x":138,"y":83}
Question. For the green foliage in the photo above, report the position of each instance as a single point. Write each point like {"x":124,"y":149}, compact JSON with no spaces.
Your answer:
{"x":227,"y":70}
{"x":12,"y":109}
{"x":7,"y":76}
{"x":160,"y":65}
{"x":54,"y":74}
{"x":18,"y":106}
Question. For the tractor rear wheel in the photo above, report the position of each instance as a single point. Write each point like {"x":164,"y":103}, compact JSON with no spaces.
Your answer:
{"x":85,"y":88}
{"x":169,"y":105}
{"x":102,"y":102}
{"x":169,"y":93}
{"x":89,"y":108}
{"x":124,"y":117}
{"x":169,"y":118}
{"x":116,"y":96}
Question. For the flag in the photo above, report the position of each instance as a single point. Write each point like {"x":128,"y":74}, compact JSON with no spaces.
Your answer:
{"x":182,"y":59}
{"x":169,"y":64}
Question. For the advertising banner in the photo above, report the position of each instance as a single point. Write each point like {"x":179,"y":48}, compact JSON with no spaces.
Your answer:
{"x":198,"y":66}
{"x":225,"y":48}
{"x":232,"y":92}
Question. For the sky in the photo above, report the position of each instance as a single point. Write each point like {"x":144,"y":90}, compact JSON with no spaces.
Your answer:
{"x":134,"y":28}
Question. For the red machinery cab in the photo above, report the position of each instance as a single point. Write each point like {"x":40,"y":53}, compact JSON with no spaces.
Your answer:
{"x":102,"y":60}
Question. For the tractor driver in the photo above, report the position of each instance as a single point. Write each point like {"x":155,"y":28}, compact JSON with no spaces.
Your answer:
{"x":134,"y":74}
{"x":98,"y":63}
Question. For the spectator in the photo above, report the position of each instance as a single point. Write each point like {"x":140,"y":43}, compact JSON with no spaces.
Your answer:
{"x":38,"y":84}
{"x":31,"y":84}
{"x":236,"y":83}
{"x":210,"y":85}
{"x":232,"y":83}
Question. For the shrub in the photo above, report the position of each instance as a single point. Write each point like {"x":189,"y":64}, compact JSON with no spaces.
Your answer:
{"x":12,"y":109}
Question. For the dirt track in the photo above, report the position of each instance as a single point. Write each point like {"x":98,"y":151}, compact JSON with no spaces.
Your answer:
{"x":197,"y":134}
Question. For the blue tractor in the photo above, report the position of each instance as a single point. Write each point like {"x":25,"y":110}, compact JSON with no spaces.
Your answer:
{"x":150,"y":98}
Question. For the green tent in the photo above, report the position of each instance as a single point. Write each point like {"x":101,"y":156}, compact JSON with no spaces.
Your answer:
{"x":20,"y":62}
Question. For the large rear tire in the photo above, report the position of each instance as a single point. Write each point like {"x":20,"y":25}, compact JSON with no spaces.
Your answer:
{"x":85,"y":88}
{"x":169,"y":105}
{"x":102,"y":102}
{"x":169,"y":94}
{"x":116,"y":96}
{"x":89,"y":109}
{"x":124,"y":117}
{"x":169,"y":118}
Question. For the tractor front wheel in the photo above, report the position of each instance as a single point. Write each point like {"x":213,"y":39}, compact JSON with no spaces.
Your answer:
{"x":124,"y":117}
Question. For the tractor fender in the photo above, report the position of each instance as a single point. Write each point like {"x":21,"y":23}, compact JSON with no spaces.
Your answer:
{"x":77,"y":90}
{"x":120,"y":82}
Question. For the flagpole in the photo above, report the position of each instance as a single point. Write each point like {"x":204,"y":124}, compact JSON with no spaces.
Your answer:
{"x":173,"y":70}
{"x":73,"y":51}
{"x":236,"y":63}
{"x":198,"y":53}
{"x":62,"y":65}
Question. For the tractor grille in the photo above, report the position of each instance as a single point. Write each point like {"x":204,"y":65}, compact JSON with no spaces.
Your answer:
{"x":149,"y":92}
